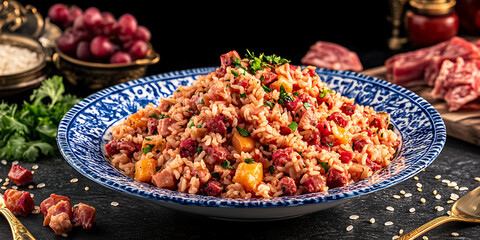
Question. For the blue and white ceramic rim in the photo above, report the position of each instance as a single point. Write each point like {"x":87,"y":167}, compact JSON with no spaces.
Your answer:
{"x":82,"y":134}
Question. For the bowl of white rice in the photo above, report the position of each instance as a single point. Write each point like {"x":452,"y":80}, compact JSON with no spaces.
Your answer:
{"x":23,"y":63}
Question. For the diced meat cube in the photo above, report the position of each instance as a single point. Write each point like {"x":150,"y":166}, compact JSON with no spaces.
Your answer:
{"x":307,"y":120}
{"x":288,"y":185}
{"x":84,"y":215}
{"x":188,"y":147}
{"x":269,"y":77}
{"x":163,"y":179}
{"x":18,"y":202}
{"x":152,"y":124}
{"x":59,"y":217}
{"x":213,"y":188}
{"x":217,"y":125}
{"x":346,"y":156}
{"x":380,"y":120}
{"x":338,"y":119}
{"x":20,"y":175}
{"x":292,"y":105}
{"x":282,"y":156}
{"x":359,"y":142}
{"x":112,"y":148}
{"x":162,"y":127}
{"x":226,"y":60}
{"x":348,"y":109}
{"x":324,"y":128}
{"x":216,"y":154}
{"x":128,"y":146}
{"x":373,"y":165}
{"x":51,"y":201}
{"x":336,"y":178}
{"x":315,"y":183}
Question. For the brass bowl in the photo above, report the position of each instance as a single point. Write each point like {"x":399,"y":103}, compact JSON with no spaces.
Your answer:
{"x":31,"y":78}
{"x":96,"y":76}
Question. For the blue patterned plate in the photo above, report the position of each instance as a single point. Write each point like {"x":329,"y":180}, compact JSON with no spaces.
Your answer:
{"x":83,"y":133}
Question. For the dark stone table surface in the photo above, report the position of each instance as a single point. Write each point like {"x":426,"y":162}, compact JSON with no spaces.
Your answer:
{"x":135,"y":218}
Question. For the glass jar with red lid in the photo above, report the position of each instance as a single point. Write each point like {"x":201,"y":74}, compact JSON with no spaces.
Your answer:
{"x":431,"y":21}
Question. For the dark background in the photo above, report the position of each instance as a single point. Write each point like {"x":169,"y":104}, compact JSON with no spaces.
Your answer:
{"x":194,"y":34}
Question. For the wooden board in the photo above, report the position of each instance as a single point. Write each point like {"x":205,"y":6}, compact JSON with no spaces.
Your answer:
{"x":462,"y":124}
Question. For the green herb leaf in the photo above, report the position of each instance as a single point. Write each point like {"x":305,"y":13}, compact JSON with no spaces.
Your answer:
{"x":226,"y":165}
{"x":266,"y":89}
{"x":215,"y":175}
{"x":249,"y":160}
{"x":243,"y":95}
{"x":271,"y":169}
{"x":324,"y":165}
{"x":293,"y":126}
{"x":243,"y":132}
{"x":269,"y":104}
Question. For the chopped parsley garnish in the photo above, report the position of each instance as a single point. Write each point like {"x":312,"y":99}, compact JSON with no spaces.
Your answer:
{"x":324,"y":93}
{"x":306,"y":105}
{"x":243,"y":132}
{"x":249,"y":160}
{"x":199,"y":149}
{"x":269,"y":104}
{"x":271,"y":169}
{"x":215,"y":175}
{"x":324,"y":165}
{"x":293,"y":126}
{"x":158,"y":168}
{"x":285,"y":96}
{"x":199,"y":126}
{"x":266,"y":89}
{"x":243,"y":95}
{"x":191,"y":125}
{"x":226,"y":165}
{"x":235,"y":73}
{"x":148,"y":149}
{"x":329,"y":144}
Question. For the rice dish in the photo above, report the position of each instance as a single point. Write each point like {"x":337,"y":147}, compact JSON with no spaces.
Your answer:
{"x":15,"y":59}
{"x":257,"y":127}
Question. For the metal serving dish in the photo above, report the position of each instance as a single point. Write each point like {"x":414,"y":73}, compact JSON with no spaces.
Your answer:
{"x":96,"y":76}
{"x":31,"y":78}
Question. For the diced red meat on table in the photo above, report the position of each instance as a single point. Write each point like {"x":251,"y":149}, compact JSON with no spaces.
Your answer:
{"x":18,"y":202}
{"x":83,"y":215}
{"x":20,"y":175}
{"x":59,"y":217}
{"x":332,"y":56}
{"x":51,"y":201}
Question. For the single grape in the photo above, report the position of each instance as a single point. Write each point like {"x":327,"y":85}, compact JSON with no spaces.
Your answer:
{"x":67,"y":43}
{"x":109,"y":24}
{"x":101,"y":47}
{"x":138,"y":49}
{"x":143,"y":34}
{"x":92,"y":17}
{"x":83,"y":51}
{"x":58,"y":14}
{"x":127,"y":24}
{"x":120,"y":57}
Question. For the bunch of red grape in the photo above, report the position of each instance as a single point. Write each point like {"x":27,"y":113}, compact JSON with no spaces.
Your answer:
{"x":96,"y":36}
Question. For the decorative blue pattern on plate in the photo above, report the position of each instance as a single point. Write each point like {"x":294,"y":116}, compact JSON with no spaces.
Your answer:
{"x":83,"y":132}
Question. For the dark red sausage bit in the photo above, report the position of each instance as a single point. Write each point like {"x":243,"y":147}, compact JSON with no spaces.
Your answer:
{"x":292,"y":105}
{"x":288,"y":185}
{"x":324,"y":128}
{"x":217,"y":125}
{"x":348,"y":109}
{"x":112,"y":148}
{"x":338,"y":119}
{"x":226,"y":60}
{"x":315,"y":183}
{"x":268,"y":77}
{"x":213,"y":188}
{"x":218,"y":154}
{"x":282,"y":156}
{"x":84,"y":215}
{"x":20,"y":175}
{"x":336,"y":178}
{"x":346,"y":156}
{"x":152,"y":124}
{"x":188,"y":147}
{"x":373,"y":165}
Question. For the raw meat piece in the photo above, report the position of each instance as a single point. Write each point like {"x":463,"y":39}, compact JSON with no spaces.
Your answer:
{"x":18,"y":202}
{"x":20,"y":175}
{"x":457,"y":83}
{"x":420,"y":66}
{"x":84,"y":215}
{"x":332,"y":56}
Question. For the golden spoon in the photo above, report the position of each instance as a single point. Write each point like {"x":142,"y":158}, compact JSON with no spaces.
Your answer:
{"x":465,"y":209}
{"x":19,"y":231}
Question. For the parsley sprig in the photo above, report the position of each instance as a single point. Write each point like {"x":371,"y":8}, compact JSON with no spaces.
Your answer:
{"x":31,"y":129}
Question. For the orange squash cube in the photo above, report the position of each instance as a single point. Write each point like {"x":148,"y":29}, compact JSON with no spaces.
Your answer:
{"x":242,"y":144}
{"x":282,"y":81}
{"x":135,"y":120}
{"x":145,"y":169}
{"x":249,"y":175}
